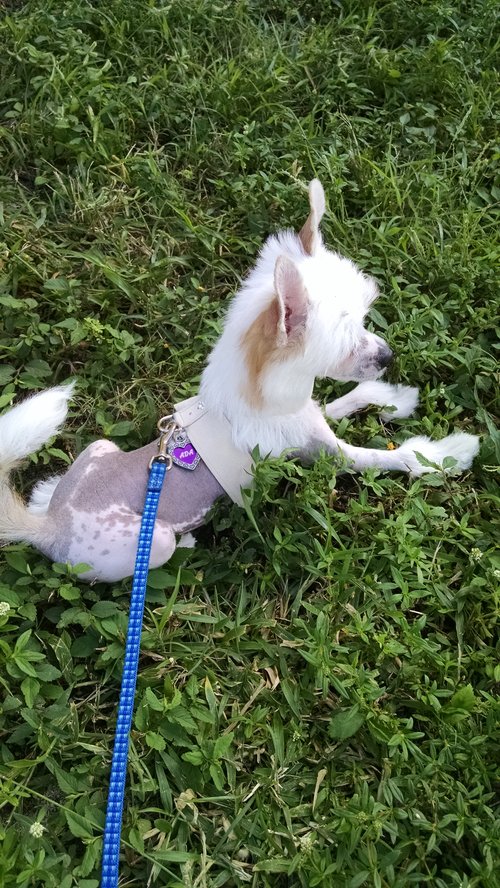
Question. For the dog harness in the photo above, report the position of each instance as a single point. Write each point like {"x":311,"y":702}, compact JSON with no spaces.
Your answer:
{"x":211,"y":437}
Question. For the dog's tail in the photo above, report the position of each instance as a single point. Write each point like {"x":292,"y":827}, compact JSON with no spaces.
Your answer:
{"x":23,"y":430}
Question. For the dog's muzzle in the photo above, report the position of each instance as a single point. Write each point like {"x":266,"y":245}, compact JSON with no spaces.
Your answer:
{"x":384,"y":356}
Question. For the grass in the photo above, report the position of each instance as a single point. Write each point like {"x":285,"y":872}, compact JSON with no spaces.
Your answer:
{"x":317,"y":701}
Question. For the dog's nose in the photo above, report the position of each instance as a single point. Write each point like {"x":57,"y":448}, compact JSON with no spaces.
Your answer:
{"x":385,"y":356}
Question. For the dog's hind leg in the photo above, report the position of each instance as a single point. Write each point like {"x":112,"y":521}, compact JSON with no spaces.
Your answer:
{"x":107,"y":542}
{"x":400,"y":399}
{"x":187,"y":541}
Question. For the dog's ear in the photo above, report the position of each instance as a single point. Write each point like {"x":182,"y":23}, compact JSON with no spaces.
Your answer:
{"x":292,"y":300}
{"x":309,"y":235}
{"x":371,"y":293}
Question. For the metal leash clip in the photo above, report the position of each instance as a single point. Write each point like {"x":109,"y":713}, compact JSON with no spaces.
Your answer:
{"x":166,"y":426}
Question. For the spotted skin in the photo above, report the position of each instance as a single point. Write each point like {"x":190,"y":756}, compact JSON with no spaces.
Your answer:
{"x":95,"y":510}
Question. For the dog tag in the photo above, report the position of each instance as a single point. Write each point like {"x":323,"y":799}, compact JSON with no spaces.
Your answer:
{"x":182,"y":451}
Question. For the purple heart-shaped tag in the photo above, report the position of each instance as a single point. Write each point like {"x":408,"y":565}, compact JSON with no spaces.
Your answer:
{"x":182,"y":451}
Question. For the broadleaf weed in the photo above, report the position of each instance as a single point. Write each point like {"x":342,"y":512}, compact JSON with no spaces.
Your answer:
{"x":317,"y":700}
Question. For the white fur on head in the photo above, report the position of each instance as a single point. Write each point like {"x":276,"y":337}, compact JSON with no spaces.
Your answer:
{"x":292,"y":299}
{"x":310,"y":236}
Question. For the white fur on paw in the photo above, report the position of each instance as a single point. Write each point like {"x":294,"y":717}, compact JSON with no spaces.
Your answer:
{"x":460,"y":446}
{"x":338,"y":409}
{"x":404,"y":398}
{"x":187,"y":541}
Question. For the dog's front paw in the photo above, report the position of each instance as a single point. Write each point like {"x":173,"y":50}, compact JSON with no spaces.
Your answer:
{"x":402,"y":399}
{"x":339,"y":408}
{"x":460,"y":446}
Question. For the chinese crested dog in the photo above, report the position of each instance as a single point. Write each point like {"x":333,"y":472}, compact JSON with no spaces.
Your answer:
{"x":299,"y":314}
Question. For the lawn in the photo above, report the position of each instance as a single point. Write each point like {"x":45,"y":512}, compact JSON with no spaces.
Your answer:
{"x":318,"y":692}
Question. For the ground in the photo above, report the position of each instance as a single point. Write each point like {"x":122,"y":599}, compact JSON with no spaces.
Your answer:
{"x":317,"y":692}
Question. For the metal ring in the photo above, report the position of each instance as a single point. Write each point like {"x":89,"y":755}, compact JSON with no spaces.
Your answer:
{"x":162,"y":458}
{"x":163,"y":423}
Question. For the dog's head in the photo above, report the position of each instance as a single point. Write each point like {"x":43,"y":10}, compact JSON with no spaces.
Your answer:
{"x":339,"y":297}
{"x":299,"y":315}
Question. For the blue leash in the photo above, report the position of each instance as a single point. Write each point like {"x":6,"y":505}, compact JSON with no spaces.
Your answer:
{"x":159,"y":466}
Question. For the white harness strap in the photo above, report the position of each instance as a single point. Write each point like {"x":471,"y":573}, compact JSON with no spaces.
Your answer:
{"x":212,"y":438}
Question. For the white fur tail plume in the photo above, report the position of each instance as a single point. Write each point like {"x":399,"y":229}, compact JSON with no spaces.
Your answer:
{"x":23,"y":430}
{"x":41,"y":495}
{"x":30,"y":424}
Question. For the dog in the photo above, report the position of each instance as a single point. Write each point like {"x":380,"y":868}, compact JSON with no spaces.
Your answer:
{"x":299,"y":315}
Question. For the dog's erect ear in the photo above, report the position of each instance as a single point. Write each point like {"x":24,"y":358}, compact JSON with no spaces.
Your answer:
{"x":309,"y":235}
{"x":292,"y":301}
{"x":371,"y":293}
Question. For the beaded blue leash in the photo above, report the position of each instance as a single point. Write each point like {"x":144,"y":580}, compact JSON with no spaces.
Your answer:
{"x":159,"y":465}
